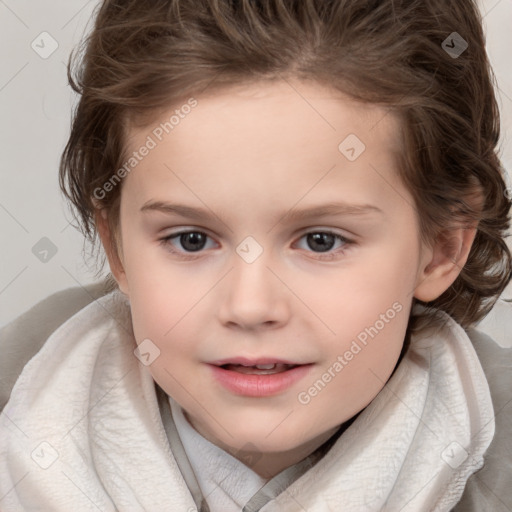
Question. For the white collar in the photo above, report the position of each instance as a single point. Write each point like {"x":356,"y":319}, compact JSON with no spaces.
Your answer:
{"x":83,"y":427}
{"x":226,"y":483}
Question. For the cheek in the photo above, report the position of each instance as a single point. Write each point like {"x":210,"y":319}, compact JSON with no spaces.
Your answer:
{"x":359,"y":366}
{"x":368,"y":317}
{"x":370,"y":337}
{"x":165,"y":319}
{"x":354,"y":298}
{"x":165,"y":298}
{"x":160,"y":291}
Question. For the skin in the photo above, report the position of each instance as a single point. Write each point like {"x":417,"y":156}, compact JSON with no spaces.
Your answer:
{"x":249,"y":155}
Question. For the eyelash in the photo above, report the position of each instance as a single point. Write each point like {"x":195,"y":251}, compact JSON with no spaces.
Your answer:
{"x":328,"y":256}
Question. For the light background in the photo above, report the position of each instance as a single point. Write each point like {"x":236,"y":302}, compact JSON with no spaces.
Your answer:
{"x":36,"y":102}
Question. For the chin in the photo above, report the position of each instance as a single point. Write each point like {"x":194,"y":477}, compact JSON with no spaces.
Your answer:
{"x":263,"y":440}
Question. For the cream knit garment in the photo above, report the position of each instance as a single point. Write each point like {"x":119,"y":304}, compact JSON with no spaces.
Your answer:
{"x":82,"y":430}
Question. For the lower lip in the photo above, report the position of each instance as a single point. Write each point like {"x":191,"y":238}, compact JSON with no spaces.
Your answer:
{"x":259,"y":385}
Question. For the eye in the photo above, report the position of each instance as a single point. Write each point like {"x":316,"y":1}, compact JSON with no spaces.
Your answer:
{"x":195,"y":241}
{"x":191,"y":241}
{"x":324,"y":241}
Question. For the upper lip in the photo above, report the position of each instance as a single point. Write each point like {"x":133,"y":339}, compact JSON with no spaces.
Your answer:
{"x":253,"y":362}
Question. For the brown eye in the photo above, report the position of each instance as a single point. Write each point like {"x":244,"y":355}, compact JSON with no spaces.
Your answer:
{"x":193,"y":241}
{"x":321,"y":241}
{"x":188,"y":242}
{"x":324,"y":242}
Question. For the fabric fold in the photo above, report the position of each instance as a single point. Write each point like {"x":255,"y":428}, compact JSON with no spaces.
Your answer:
{"x":83,"y":429}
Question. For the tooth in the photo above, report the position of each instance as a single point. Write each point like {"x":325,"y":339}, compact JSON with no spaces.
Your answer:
{"x":265,"y":366}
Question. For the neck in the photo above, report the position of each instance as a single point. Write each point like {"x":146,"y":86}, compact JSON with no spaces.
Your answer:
{"x":269,"y":464}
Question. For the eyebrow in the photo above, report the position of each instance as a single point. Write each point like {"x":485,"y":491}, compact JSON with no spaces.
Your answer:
{"x":290,"y":216}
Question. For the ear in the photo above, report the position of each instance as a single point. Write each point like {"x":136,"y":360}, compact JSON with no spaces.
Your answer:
{"x":444,"y":262}
{"x":113,"y":255}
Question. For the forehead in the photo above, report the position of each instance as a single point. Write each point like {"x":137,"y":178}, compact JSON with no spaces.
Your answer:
{"x":285,"y":135}
{"x":253,"y":112}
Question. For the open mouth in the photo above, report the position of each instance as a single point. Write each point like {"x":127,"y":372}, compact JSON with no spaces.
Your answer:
{"x":259,"y":369}
{"x":258,"y":378}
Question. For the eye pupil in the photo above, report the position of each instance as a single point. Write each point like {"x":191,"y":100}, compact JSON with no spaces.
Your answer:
{"x":195,"y":241}
{"x":319,"y":239}
{"x":188,"y":240}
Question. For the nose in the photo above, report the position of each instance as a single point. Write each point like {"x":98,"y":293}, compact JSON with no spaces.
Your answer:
{"x":254,"y":298}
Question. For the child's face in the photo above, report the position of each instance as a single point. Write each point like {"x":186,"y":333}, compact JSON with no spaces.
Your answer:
{"x":248,"y":158}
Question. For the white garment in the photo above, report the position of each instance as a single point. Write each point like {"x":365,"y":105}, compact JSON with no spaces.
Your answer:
{"x":226,"y":483}
{"x":82,"y":430}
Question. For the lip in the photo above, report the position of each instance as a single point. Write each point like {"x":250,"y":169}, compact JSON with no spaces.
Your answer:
{"x":258,"y":385}
{"x":246,"y":361}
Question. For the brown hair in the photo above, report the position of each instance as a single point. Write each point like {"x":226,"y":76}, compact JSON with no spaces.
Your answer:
{"x":145,"y":55}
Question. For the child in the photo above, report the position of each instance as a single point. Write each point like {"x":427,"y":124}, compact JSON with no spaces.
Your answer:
{"x":335,"y":163}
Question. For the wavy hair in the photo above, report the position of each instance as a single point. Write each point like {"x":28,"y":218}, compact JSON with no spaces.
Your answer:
{"x":144,"y":55}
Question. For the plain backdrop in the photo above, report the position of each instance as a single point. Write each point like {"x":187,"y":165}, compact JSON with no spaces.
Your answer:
{"x":40,"y":251}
